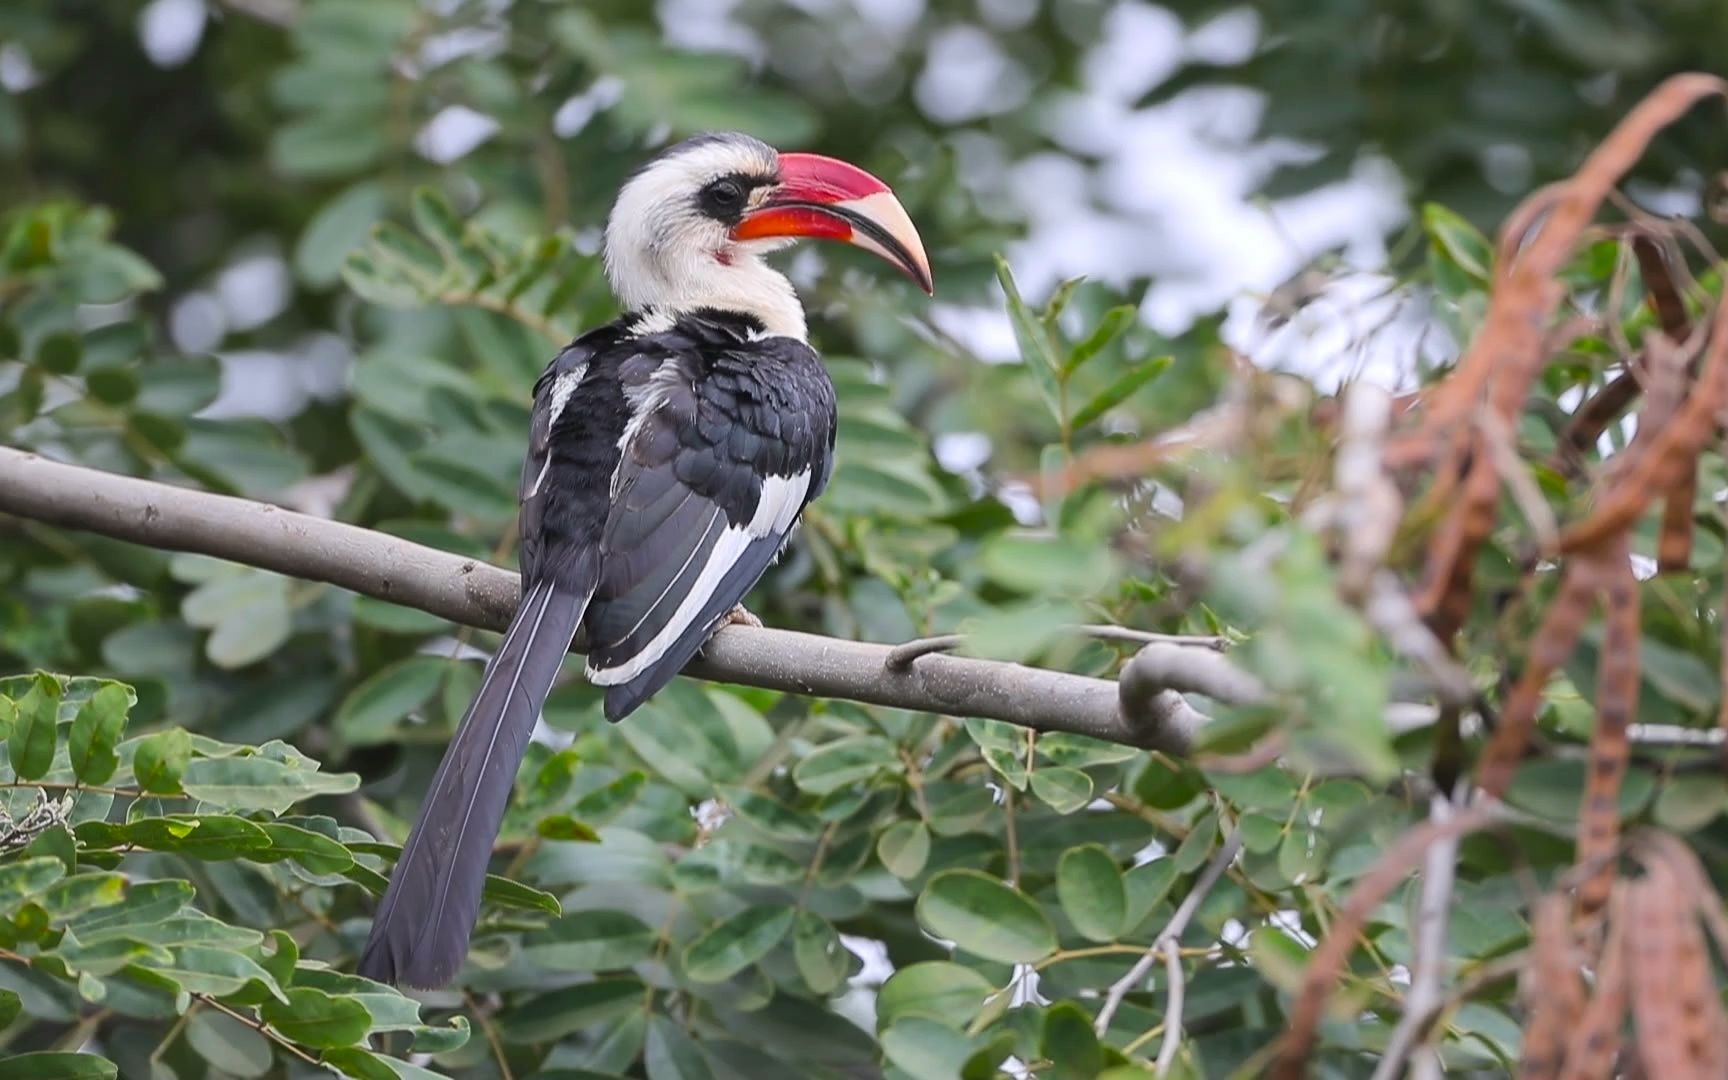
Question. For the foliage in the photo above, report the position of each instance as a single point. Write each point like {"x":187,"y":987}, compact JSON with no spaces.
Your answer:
{"x":139,"y":875}
{"x":736,"y":883}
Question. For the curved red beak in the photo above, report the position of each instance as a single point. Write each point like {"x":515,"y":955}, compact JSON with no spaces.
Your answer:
{"x":822,"y":197}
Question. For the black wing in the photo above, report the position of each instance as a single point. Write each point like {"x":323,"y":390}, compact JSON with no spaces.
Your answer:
{"x":722,"y":453}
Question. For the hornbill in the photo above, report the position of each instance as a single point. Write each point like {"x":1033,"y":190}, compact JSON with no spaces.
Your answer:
{"x":670,"y":453}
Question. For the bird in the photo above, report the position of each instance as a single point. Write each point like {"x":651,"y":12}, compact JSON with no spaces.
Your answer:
{"x":670,"y":455}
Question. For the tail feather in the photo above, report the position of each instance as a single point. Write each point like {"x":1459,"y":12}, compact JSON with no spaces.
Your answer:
{"x":421,"y":930}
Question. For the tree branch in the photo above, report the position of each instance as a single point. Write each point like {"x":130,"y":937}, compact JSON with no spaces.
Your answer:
{"x":473,"y":593}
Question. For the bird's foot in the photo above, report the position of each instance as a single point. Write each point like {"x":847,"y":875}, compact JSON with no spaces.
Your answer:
{"x":739,"y":616}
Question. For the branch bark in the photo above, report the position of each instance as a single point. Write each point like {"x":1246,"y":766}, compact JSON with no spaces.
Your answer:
{"x":477,"y":594}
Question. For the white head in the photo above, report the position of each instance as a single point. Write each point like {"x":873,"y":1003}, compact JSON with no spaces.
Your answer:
{"x":689,"y":229}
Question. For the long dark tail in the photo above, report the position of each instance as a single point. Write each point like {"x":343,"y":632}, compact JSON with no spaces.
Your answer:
{"x":420,"y":933}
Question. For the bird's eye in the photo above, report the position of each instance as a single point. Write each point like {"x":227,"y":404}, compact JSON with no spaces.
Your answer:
{"x":724,"y":198}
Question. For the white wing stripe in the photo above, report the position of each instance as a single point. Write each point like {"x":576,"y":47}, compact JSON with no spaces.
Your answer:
{"x":776,"y":509}
{"x":727,"y":549}
{"x":695,"y":550}
{"x":562,"y":387}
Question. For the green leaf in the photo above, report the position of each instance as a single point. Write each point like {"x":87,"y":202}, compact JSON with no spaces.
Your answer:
{"x":27,"y":877}
{"x":937,"y":989}
{"x":565,"y":827}
{"x":229,"y":1045}
{"x":729,"y":947}
{"x":203,"y":969}
{"x":359,"y":1064}
{"x":1109,"y":328}
{"x":1046,"y":565}
{"x":591,"y":941}
{"x":604,"y":803}
{"x":1069,"y":1043}
{"x":1065,"y":790}
{"x":150,"y":905}
{"x":441,"y":1040}
{"x":823,"y":961}
{"x":513,"y":894}
{"x":59,"y":352}
{"x":925,"y":1049}
{"x":1037,"y":350}
{"x":1121,"y":390}
{"x":33,"y":733}
{"x":160,"y":760}
{"x":1197,"y":844}
{"x":550,"y":1016}
{"x":314,"y":851}
{"x":1090,"y":888}
{"x":313,"y":1018}
{"x":48,"y":1065}
{"x":769,"y":816}
{"x":373,"y":711}
{"x":985,"y":917}
{"x":96,"y":731}
{"x":82,"y":892}
{"x":1691,"y":800}
{"x":338,"y":227}
{"x":112,"y":386}
{"x":10,"y":1006}
{"x":844,"y":762}
{"x":673,"y":1055}
{"x":1458,"y":241}
{"x":434,"y":218}
{"x":904,"y":848}
{"x":1082,"y":752}
{"x":260,"y":783}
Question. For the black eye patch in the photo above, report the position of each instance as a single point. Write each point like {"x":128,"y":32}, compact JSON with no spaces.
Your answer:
{"x":724,"y":198}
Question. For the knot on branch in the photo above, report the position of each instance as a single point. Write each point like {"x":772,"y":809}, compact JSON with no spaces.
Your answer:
{"x":1151,"y":688}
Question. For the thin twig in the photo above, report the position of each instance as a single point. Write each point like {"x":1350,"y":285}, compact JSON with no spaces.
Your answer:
{"x":1423,"y":998}
{"x":1172,"y":932}
{"x":491,"y":1033}
{"x":260,"y":1027}
{"x":904,"y":655}
{"x":1106,"y":632}
{"x":901,"y":656}
{"x":1175,"y":997}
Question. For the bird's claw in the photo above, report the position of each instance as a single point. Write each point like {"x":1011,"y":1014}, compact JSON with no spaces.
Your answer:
{"x":739,"y":616}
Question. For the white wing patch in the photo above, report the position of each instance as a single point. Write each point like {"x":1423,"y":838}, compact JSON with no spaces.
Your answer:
{"x":776,"y":509}
{"x":562,"y":387}
{"x":782,"y":497}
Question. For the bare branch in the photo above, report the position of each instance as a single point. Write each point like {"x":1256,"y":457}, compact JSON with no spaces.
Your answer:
{"x":1422,"y":1004}
{"x":1170,"y":935}
{"x":1176,"y":996}
{"x":476,"y":594}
